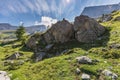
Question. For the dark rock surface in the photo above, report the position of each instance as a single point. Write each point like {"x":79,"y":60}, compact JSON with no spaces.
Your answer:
{"x":60,"y":32}
{"x":87,"y":29}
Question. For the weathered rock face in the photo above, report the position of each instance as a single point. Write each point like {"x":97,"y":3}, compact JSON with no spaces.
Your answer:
{"x":31,"y":43}
{"x":61,"y":32}
{"x":87,"y":29}
{"x":4,"y":75}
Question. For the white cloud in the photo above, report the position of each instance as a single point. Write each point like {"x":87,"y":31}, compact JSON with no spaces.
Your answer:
{"x":39,"y":6}
{"x":47,"y":21}
{"x":68,"y":1}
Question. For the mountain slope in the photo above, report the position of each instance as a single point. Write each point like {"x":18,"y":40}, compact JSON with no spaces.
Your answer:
{"x":106,"y":50}
{"x":6,"y":26}
{"x":29,"y":29}
{"x":97,"y":11}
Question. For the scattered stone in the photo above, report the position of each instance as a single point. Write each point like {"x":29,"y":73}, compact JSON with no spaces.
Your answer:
{"x":107,"y":72}
{"x":14,"y":56}
{"x":114,"y":76}
{"x":39,"y":56}
{"x":84,"y":60}
{"x":104,"y":49}
{"x":114,"y":46}
{"x":85,"y":76}
{"x":78,"y":71}
{"x":48,"y":47}
{"x":87,"y":29}
{"x":110,"y":74}
{"x":4,"y":75}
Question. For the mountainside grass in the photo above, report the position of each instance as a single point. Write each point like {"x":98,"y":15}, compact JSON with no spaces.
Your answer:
{"x":63,"y":67}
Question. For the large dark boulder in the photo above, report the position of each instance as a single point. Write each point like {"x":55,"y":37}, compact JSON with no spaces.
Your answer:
{"x":60,"y":32}
{"x":87,"y":29}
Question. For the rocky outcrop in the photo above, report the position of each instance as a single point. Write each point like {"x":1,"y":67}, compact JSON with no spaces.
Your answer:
{"x":60,"y":32}
{"x":14,"y":56}
{"x":87,"y":29}
{"x":4,"y":75}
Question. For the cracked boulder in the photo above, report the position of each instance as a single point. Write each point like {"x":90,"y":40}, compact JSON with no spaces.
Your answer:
{"x":87,"y":29}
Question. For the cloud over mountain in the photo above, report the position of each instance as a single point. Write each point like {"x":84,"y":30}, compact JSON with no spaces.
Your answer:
{"x":47,"y":21}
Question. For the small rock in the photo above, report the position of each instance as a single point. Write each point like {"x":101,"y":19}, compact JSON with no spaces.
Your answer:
{"x":114,"y":46}
{"x":110,"y":74}
{"x":114,"y":76}
{"x":14,"y":56}
{"x":78,"y":71}
{"x":39,"y":56}
{"x":4,"y":75}
{"x":104,"y":49}
{"x":107,"y":72}
{"x":48,"y":47}
{"x":85,"y":76}
{"x":84,"y":60}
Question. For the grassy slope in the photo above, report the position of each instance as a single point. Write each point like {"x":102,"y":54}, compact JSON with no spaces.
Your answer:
{"x":63,"y":67}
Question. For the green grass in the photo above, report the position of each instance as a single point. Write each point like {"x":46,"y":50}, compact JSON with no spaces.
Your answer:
{"x":63,"y":67}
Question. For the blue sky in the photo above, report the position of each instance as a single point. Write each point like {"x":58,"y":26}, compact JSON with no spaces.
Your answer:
{"x":36,"y":11}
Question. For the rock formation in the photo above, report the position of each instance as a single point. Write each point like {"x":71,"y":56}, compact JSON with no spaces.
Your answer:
{"x":87,"y":29}
{"x":61,"y":32}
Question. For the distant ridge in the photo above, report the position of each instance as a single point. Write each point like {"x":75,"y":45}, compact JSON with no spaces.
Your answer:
{"x":7,"y":26}
{"x":97,"y":11}
{"x":29,"y":29}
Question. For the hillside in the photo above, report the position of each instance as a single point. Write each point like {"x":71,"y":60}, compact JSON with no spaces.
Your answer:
{"x":6,"y":26}
{"x":29,"y":29}
{"x":104,"y":52}
{"x":97,"y":11}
